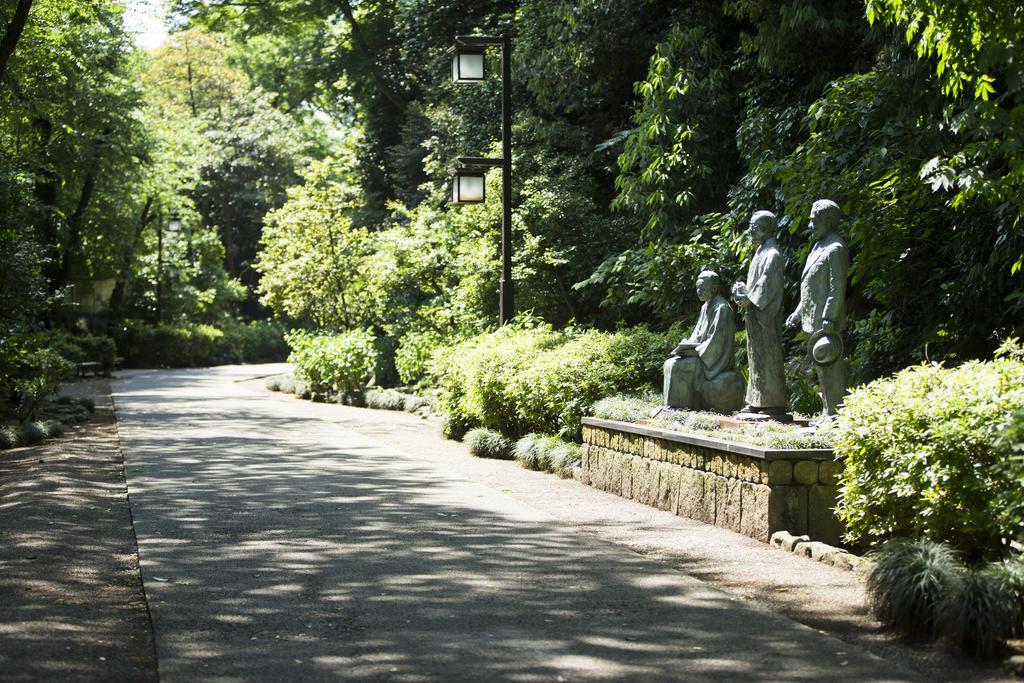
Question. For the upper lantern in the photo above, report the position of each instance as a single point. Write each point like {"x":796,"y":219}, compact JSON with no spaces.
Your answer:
{"x":467,"y":64}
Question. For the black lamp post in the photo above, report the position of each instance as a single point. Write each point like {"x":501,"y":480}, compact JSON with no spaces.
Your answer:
{"x":468,"y":66}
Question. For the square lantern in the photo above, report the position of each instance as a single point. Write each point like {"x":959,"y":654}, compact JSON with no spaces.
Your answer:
{"x":467,"y":187}
{"x":467,"y":64}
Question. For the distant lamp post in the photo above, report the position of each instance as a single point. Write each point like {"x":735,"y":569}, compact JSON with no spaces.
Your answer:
{"x":469,"y":66}
{"x":173,"y":226}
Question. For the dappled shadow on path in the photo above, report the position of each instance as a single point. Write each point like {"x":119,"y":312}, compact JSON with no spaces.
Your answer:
{"x":71,"y":605}
{"x":276,"y":546}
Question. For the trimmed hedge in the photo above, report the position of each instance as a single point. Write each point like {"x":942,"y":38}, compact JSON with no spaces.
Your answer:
{"x":927,"y":456}
{"x":522,"y":379}
{"x":182,"y":346}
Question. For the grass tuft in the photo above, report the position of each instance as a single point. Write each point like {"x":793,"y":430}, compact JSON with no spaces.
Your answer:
{"x":487,"y":443}
{"x":908,"y":582}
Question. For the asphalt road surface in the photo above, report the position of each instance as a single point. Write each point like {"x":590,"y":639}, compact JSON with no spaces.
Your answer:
{"x":277,"y":545}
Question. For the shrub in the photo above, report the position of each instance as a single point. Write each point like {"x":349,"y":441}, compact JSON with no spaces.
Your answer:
{"x":192,"y":345}
{"x":924,"y":458}
{"x":414,"y":353}
{"x":526,"y":378}
{"x":487,"y":443}
{"x":333,"y":364}
{"x":385,"y":399}
{"x":9,"y":438}
{"x":908,"y":582}
{"x":548,"y":454}
{"x":40,"y":374}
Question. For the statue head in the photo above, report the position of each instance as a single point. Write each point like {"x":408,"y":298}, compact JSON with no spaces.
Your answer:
{"x":824,"y":217}
{"x":762,"y":226}
{"x":708,"y":285}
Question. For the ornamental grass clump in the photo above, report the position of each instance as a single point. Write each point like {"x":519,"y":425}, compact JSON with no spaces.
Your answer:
{"x":488,"y":443}
{"x":908,"y":583}
{"x":977,"y":615}
{"x":385,"y":399}
{"x":546,"y":453}
{"x":922,"y":590}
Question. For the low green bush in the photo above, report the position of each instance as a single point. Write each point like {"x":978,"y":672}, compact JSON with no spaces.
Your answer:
{"x":37,"y":375}
{"x":487,"y":443}
{"x":333,"y":364}
{"x":548,"y":454}
{"x":927,"y":457}
{"x":526,"y":378}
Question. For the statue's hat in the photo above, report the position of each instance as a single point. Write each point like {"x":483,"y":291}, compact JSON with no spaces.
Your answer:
{"x":825,"y":349}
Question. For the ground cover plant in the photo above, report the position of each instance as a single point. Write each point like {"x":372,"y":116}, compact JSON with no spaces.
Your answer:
{"x":648,"y":409}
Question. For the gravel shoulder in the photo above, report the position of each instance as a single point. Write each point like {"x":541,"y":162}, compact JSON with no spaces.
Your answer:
{"x":73,"y":603}
{"x":827,"y":599}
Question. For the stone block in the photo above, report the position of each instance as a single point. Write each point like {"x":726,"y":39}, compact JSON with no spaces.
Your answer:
{"x":829,"y":472}
{"x":716,"y":465}
{"x":668,"y":486}
{"x":728,"y":503}
{"x":624,"y":475}
{"x":748,"y":469}
{"x":821,"y":552}
{"x":822,"y":523}
{"x":787,"y":541}
{"x":640,"y":469}
{"x":780,"y":472}
{"x":806,"y":472}
{"x":787,"y":509}
{"x":754,"y":510}
{"x":843,"y":560}
{"x":691,"y":494}
{"x":731,"y":466}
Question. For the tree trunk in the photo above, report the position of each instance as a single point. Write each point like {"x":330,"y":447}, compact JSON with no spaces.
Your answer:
{"x":13,"y":33}
{"x":382,"y":82}
{"x":74,"y":239}
{"x":117,"y":297}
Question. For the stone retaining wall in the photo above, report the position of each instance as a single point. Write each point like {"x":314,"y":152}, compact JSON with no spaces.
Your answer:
{"x":755,"y":491}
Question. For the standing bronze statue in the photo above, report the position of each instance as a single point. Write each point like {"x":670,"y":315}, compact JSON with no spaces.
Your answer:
{"x":822,"y":309}
{"x":761,"y":299}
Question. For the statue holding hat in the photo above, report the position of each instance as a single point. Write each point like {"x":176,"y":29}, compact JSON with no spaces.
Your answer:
{"x":701,"y":372}
{"x":821,"y":312}
{"x":761,"y":299}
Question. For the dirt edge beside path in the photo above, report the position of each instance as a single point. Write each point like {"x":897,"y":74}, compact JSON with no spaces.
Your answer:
{"x":74,"y":605}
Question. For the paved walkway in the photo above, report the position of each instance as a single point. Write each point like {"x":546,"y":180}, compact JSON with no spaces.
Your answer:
{"x":276,"y":544}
